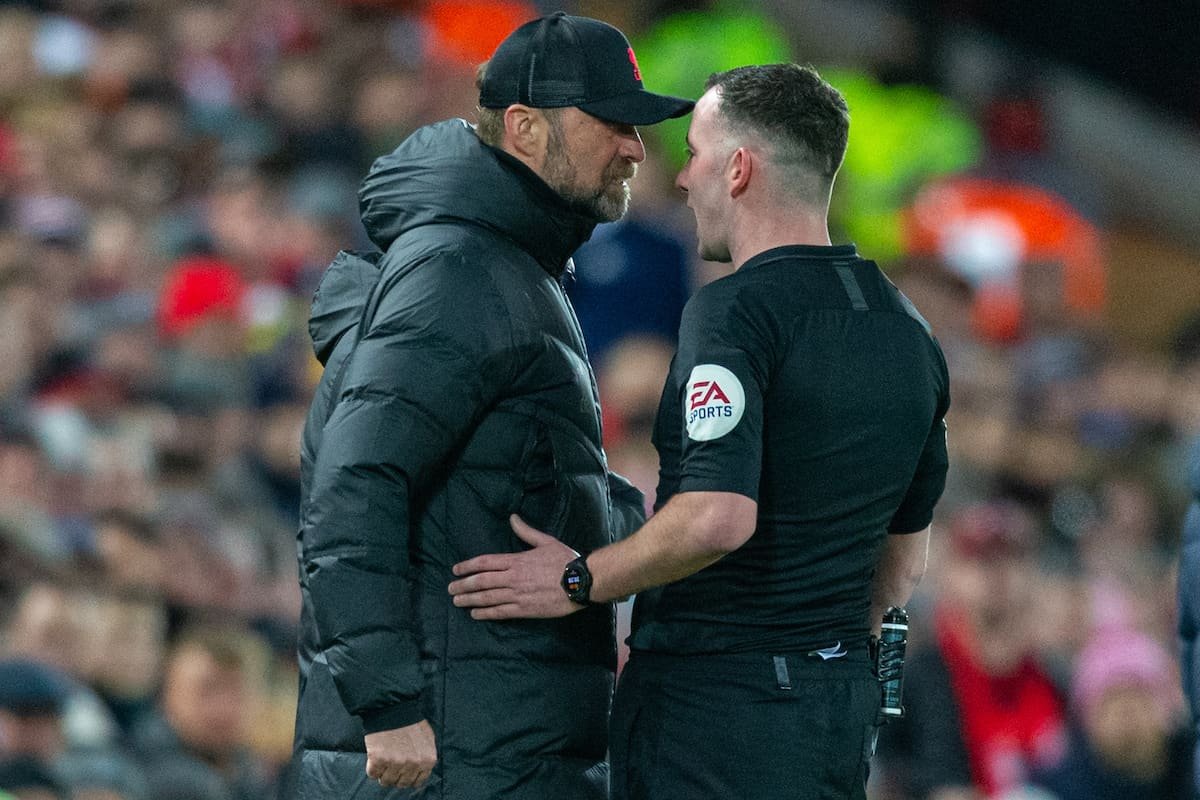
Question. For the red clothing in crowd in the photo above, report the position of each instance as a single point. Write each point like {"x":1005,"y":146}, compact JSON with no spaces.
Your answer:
{"x":1009,"y":722}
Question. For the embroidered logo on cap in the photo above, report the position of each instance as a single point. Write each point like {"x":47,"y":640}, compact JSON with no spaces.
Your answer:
{"x":714,"y":403}
{"x":637,"y":71}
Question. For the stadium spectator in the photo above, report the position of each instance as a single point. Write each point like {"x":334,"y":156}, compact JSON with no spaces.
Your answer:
{"x":127,"y":644}
{"x":199,"y":740}
{"x":33,"y":698}
{"x":50,"y":628}
{"x":981,"y":711}
{"x":630,"y":377}
{"x":1126,"y":741}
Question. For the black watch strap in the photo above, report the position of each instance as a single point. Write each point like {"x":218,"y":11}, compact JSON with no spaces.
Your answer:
{"x":577,"y":581}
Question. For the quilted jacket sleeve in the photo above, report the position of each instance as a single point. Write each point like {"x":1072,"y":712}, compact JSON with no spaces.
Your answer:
{"x":426,"y":366}
{"x":627,"y":506}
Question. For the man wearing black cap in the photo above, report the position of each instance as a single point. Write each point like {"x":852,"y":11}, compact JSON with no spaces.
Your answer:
{"x":33,"y":699}
{"x":457,"y":392}
{"x":802,"y":450}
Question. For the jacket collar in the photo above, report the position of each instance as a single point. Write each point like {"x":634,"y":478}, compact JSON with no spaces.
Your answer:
{"x":443,"y":174}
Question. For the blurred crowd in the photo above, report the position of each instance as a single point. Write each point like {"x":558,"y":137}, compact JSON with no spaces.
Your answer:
{"x":174,"y":177}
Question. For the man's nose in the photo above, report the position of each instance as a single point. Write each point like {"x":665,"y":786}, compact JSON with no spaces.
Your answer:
{"x":681,"y":181}
{"x":632,"y":147}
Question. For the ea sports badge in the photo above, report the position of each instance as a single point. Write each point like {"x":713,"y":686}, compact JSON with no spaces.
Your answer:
{"x":713,"y":404}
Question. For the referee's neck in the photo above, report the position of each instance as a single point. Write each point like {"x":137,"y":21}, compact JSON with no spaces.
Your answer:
{"x":757,"y":230}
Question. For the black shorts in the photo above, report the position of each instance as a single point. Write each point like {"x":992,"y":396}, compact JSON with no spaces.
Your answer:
{"x":743,"y":727}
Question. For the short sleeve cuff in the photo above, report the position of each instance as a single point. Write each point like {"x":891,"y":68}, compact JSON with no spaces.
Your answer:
{"x":721,"y":484}
{"x":910,"y":523}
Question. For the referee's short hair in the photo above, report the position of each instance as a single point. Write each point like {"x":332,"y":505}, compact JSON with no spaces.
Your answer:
{"x":802,"y":118}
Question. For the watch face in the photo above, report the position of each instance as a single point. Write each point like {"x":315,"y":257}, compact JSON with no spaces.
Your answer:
{"x":573,"y":580}
{"x":577,"y":581}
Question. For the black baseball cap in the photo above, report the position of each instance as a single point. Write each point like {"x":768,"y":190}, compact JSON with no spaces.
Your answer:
{"x":561,"y":60}
{"x":31,"y":688}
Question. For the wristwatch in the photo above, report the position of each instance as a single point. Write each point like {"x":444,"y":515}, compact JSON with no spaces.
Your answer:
{"x":577,"y":581}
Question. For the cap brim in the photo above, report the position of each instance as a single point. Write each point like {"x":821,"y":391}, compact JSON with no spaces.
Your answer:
{"x":638,"y":108}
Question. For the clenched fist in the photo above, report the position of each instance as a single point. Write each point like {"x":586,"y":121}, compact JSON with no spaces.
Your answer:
{"x":402,"y":757}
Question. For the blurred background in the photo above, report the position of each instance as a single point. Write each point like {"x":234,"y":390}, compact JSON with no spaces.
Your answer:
{"x":174,"y":177}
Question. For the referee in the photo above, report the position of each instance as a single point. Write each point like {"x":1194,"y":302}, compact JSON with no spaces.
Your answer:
{"x":802,"y":449}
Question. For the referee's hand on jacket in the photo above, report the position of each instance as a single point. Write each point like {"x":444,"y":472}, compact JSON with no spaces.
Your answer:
{"x":524,"y":585}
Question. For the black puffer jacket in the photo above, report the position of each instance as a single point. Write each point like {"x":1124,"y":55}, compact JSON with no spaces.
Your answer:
{"x":456,"y":391}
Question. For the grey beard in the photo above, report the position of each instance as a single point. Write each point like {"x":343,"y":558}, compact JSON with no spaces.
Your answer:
{"x":608,"y":204}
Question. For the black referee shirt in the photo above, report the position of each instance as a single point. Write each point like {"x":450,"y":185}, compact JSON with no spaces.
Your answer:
{"x":807,"y":382}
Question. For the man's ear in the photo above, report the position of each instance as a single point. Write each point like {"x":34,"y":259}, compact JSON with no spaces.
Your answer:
{"x":739,"y":171}
{"x":526,"y":131}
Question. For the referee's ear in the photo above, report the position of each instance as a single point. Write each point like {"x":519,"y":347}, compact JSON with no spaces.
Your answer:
{"x":741,"y":167}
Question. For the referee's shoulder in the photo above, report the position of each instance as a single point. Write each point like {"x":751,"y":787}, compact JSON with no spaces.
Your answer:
{"x":714,"y":298}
